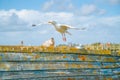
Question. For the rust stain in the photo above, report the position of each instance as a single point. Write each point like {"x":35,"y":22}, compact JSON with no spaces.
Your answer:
{"x":0,"y":58}
{"x":37,"y":56}
{"x":64,"y":56}
{"x":107,"y":66}
{"x":90,"y":65}
{"x":109,"y":59}
{"x":37,"y":67}
{"x":25,"y":58}
{"x":108,"y":79}
{"x":83,"y":58}
{"x":67,"y":65}
{"x":71,"y":79}
{"x":5,"y":66}
{"x":97,"y":78}
{"x":30,"y":53}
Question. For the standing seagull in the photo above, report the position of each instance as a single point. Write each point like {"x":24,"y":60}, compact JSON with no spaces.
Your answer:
{"x":62,"y":28}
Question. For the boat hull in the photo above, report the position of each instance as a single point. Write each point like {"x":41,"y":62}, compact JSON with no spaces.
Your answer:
{"x":55,"y":66}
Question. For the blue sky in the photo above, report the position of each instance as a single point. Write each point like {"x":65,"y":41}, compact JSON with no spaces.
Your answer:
{"x":100,"y":17}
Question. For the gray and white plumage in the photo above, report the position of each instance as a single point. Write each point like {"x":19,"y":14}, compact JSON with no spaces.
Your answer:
{"x":61,"y":28}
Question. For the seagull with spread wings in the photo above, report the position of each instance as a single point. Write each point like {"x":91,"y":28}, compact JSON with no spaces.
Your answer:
{"x":62,"y":28}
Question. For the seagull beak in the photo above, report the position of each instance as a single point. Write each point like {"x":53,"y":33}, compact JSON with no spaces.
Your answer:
{"x":49,"y":22}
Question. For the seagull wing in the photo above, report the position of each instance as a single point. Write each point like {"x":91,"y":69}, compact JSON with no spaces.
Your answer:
{"x":33,"y":25}
{"x":38,"y":24}
{"x":69,"y":27}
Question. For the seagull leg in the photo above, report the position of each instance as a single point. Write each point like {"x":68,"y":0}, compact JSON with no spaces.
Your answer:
{"x":64,"y":38}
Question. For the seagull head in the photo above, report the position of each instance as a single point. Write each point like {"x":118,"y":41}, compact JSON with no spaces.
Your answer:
{"x":52,"y":22}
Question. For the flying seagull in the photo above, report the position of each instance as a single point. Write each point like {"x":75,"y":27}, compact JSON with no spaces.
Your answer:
{"x":61,"y":28}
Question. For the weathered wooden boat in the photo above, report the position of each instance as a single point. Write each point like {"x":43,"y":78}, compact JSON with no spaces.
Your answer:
{"x":58,"y":66}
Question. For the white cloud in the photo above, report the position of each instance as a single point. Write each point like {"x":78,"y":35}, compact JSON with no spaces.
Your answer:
{"x":14,"y":20}
{"x":57,"y":5}
{"x":110,"y":21}
{"x":111,"y":2}
{"x":102,"y":11}
{"x":47,"y":5}
{"x":43,"y":32}
{"x":70,"y":6}
{"x":88,"y":9}
{"x":9,"y":20}
{"x":114,"y":1}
